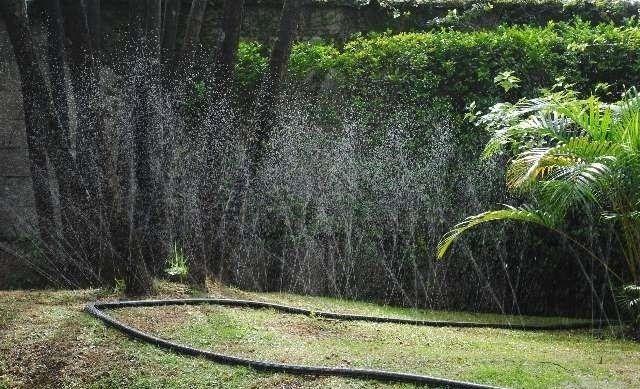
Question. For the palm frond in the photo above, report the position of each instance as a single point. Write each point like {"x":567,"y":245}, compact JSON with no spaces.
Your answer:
{"x":521,"y":214}
{"x":590,"y":115}
{"x":579,"y":162}
{"x":632,"y":289}
{"x":558,"y":197}
{"x":568,"y":153}
{"x":627,"y":125}
{"x":634,"y":216}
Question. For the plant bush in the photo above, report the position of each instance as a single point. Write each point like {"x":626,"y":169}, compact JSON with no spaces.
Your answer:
{"x":251,"y":64}
{"x":569,"y":157}
{"x":473,"y":14}
{"x":461,"y":66}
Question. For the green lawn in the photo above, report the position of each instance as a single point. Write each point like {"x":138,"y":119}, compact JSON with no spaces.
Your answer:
{"x":47,"y":341}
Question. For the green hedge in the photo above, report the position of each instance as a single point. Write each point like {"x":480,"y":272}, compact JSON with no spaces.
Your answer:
{"x":418,"y":14}
{"x":461,"y":66}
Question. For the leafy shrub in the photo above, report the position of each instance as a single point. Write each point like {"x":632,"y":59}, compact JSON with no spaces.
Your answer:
{"x":312,"y":58}
{"x":569,"y":155}
{"x":461,"y":66}
{"x":474,"y":14}
{"x":251,"y":65}
{"x":630,"y":302}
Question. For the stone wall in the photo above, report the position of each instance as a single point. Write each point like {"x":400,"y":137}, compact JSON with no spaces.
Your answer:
{"x":337,"y":20}
{"x":16,"y":195}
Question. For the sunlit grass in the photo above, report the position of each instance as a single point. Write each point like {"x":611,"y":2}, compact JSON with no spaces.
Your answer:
{"x":50,"y":342}
{"x":493,"y":356}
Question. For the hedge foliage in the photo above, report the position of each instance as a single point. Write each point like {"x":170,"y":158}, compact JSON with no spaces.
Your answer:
{"x":416,"y":14}
{"x":461,"y":66}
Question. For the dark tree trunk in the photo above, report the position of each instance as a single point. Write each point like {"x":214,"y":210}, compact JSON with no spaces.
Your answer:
{"x":85,"y":79}
{"x":35,"y":100}
{"x":185,"y":62}
{"x":153,"y":31}
{"x":225,"y":57}
{"x":151,"y":220}
{"x":169,"y":33}
{"x":224,"y":66}
{"x":94,"y":24}
{"x":289,"y":19}
{"x":40,"y":120}
{"x":192,"y":32}
{"x":136,"y":274}
{"x":93,"y":156}
{"x":56,"y":64}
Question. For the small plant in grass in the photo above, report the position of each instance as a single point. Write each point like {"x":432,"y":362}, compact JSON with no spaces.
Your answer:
{"x":119,"y":286}
{"x":178,"y":268}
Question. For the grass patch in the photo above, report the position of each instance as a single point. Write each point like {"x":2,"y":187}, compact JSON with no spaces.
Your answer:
{"x":50,"y":342}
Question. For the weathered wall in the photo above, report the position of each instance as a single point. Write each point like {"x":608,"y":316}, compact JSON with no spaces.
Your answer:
{"x":337,"y":20}
{"x":16,"y":196}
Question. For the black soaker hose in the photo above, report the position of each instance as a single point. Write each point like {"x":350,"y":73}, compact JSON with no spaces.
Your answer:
{"x":96,"y":309}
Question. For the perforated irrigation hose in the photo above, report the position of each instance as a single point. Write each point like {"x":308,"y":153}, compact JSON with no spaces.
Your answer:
{"x":97,"y":309}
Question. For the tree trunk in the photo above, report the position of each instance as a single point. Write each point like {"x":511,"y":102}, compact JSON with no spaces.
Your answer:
{"x":185,"y":62}
{"x":224,"y":73}
{"x":94,"y":24}
{"x":41,"y":119}
{"x":35,"y":100}
{"x":192,"y":32}
{"x":137,"y":275}
{"x":151,"y":194}
{"x":225,"y":57}
{"x":55,"y":62}
{"x":289,"y":19}
{"x":85,"y":79}
{"x":93,"y":156}
{"x":169,"y":33}
{"x":153,"y":30}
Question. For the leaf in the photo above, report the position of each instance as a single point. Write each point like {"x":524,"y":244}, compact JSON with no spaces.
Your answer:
{"x":509,"y":213}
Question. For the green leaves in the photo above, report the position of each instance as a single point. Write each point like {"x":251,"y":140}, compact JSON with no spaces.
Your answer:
{"x":522,"y":214}
{"x":177,"y":262}
{"x":629,"y":298}
{"x":507,"y":80}
{"x":568,"y":154}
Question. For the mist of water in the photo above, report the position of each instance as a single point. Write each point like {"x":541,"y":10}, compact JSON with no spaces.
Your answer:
{"x":352,"y":209}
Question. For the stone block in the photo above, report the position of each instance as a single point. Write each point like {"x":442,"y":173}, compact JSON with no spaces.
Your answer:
{"x":14,"y":162}
{"x":16,"y":192}
{"x":16,"y":221}
{"x":12,"y":134}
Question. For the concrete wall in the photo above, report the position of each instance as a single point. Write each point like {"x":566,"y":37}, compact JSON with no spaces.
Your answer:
{"x":16,"y":195}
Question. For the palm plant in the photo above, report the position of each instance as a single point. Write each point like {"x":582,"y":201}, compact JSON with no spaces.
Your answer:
{"x":630,"y":301}
{"x":568,"y":154}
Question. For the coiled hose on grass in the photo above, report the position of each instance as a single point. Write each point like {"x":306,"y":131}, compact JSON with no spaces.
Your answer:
{"x":96,"y":309}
